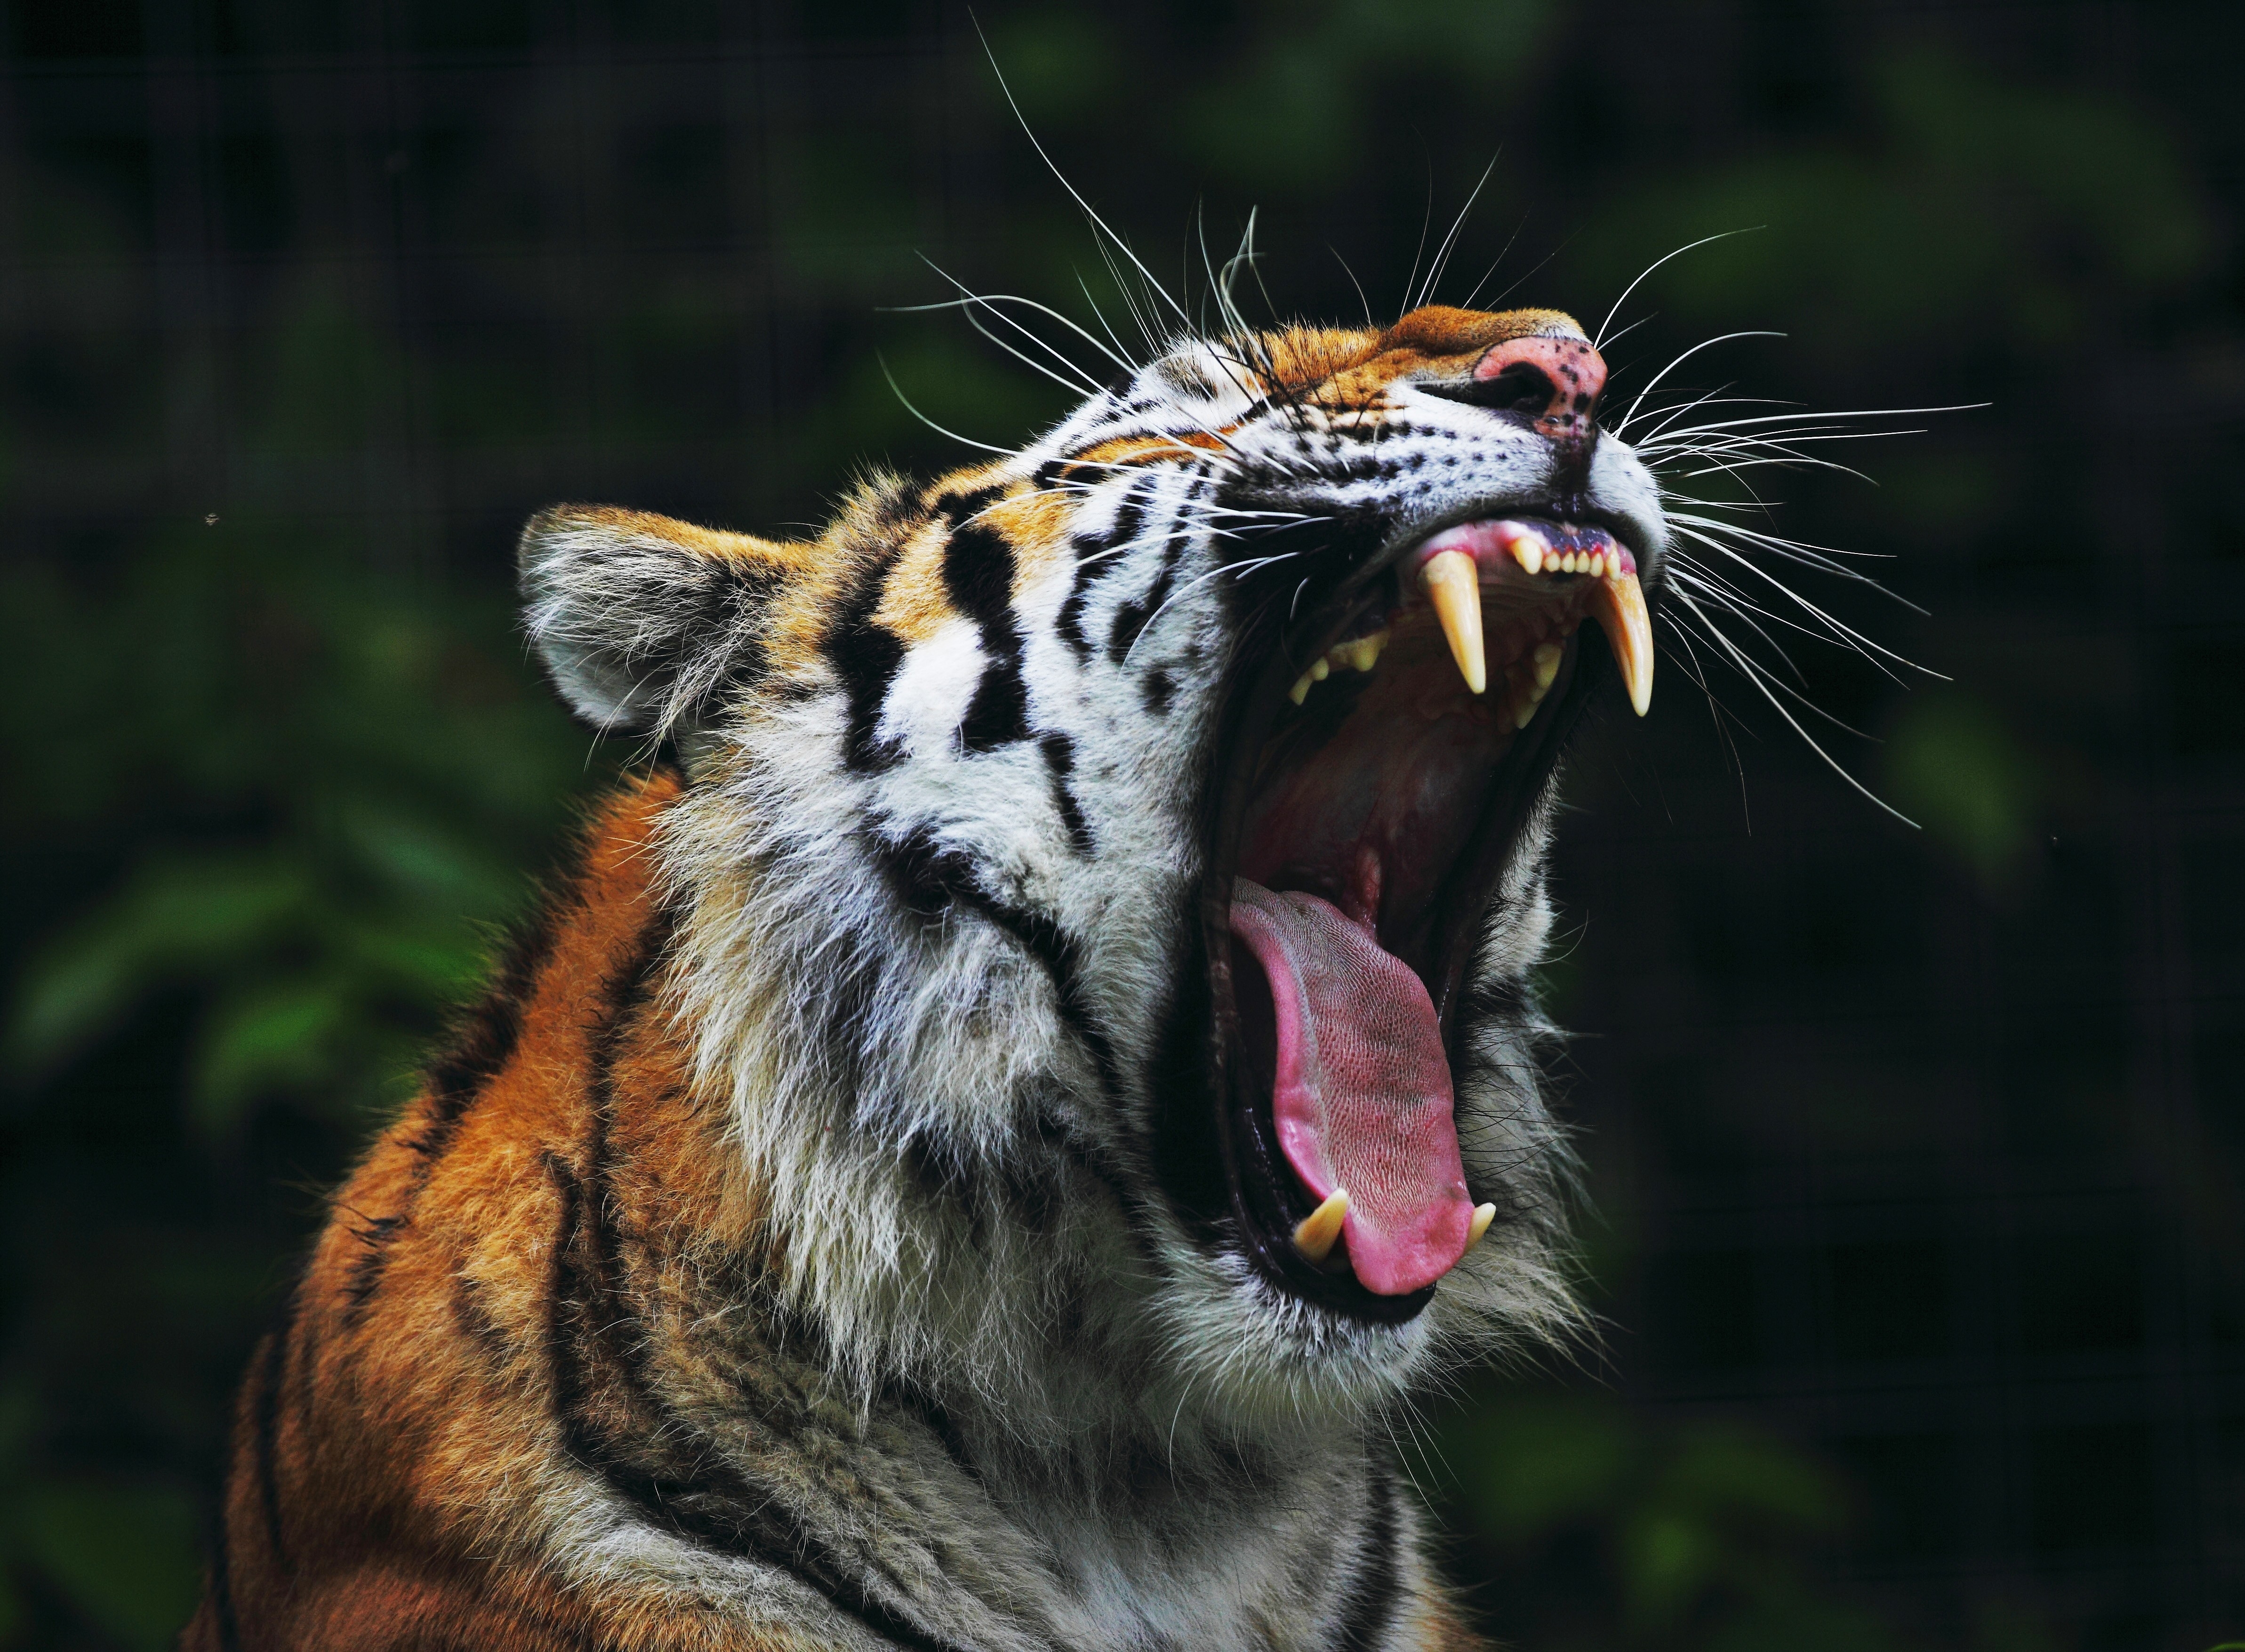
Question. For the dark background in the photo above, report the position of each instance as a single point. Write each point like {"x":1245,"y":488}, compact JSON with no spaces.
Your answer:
{"x":1913,"y":1155}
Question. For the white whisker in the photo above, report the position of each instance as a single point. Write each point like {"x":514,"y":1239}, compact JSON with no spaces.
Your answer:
{"x":1703,"y":241}
{"x":1754,"y":674}
{"x":988,"y":447}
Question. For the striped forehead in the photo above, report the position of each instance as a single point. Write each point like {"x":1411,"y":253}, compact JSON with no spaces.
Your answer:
{"x":992,"y":531}
{"x":988,"y":536}
{"x":1200,"y":393}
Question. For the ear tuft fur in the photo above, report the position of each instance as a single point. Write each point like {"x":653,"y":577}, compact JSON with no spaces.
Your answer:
{"x":641,"y":621}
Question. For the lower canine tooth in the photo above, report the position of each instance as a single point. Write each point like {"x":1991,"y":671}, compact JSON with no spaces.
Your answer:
{"x":1618,"y":607}
{"x":1453,"y":585}
{"x":1546,"y":658}
{"x":1321,"y":1229}
{"x":1482,"y":1216}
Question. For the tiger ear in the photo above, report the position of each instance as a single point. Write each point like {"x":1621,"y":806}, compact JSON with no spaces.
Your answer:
{"x":642,"y":622}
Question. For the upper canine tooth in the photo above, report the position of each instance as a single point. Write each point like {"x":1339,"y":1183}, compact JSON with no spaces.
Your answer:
{"x":1316,"y":1234}
{"x":1618,"y":604}
{"x":1300,"y":691}
{"x":1453,"y":585}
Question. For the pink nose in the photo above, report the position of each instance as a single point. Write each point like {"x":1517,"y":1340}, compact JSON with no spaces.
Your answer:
{"x":1557,"y":381}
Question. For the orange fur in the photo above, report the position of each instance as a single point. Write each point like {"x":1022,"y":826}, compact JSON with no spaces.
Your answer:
{"x":385,"y":1436}
{"x":404,"y":1436}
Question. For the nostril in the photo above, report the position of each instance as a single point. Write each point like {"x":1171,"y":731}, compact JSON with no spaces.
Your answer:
{"x":1521,"y":388}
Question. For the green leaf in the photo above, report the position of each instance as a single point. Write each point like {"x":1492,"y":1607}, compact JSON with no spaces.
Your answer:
{"x":274,"y":1036}
{"x":175,"y":916}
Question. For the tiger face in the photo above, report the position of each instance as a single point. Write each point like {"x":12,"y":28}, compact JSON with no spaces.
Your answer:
{"x":1106,"y":880}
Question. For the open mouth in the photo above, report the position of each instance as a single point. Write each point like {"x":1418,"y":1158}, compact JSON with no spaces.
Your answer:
{"x":1373,"y":799}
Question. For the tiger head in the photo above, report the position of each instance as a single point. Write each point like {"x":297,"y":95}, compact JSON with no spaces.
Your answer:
{"x":1106,"y":880}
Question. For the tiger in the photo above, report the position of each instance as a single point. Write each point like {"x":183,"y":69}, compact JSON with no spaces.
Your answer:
{"x":1031,"y":1073}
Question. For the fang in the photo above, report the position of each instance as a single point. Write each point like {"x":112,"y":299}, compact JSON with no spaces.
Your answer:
{"x":1453,"y":585}
{"x":1320,"y":1231}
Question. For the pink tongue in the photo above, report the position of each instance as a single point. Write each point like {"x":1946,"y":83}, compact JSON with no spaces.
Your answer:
{"x":1362,"y":1093}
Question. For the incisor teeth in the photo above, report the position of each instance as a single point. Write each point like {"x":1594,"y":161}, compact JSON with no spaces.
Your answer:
{"x":1321,"y":1229}
{"x":1618,"y":605}
{"x":1483,"y":1215}
{"x":1453,"y":585}
{"x":1528,"y":551}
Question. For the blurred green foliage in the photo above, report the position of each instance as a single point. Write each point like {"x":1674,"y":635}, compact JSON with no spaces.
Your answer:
{"x":338,"y":785}
{"x":1964,"y":212}
{"x":282,"y":779}
{"x":358,"y":778}
{"x":1969,"y":781}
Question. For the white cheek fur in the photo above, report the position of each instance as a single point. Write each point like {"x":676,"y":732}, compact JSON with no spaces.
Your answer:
{"x":900,"y":1057}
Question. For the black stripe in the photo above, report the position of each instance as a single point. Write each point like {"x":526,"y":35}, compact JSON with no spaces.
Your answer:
{"x":959,"y":509}
{"x":1097,"y":556}
{"x":267,"y":1372}
{"x":1134,"y":616}
{"x":929,"y":879}
{"x":474,"y":1320}
{"x":1059,"y":762}
{"x":915,"y":1402}
{"x":978,"y":575}
{"x":675,"y":1481}
{"x":1371,"y":1602}
{"x":221,"y":1576}
{"x":1187,"y":1151}
{"x":363,"y":1277}
{"x":866,"y":654}
{"x":483,"y":1042}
